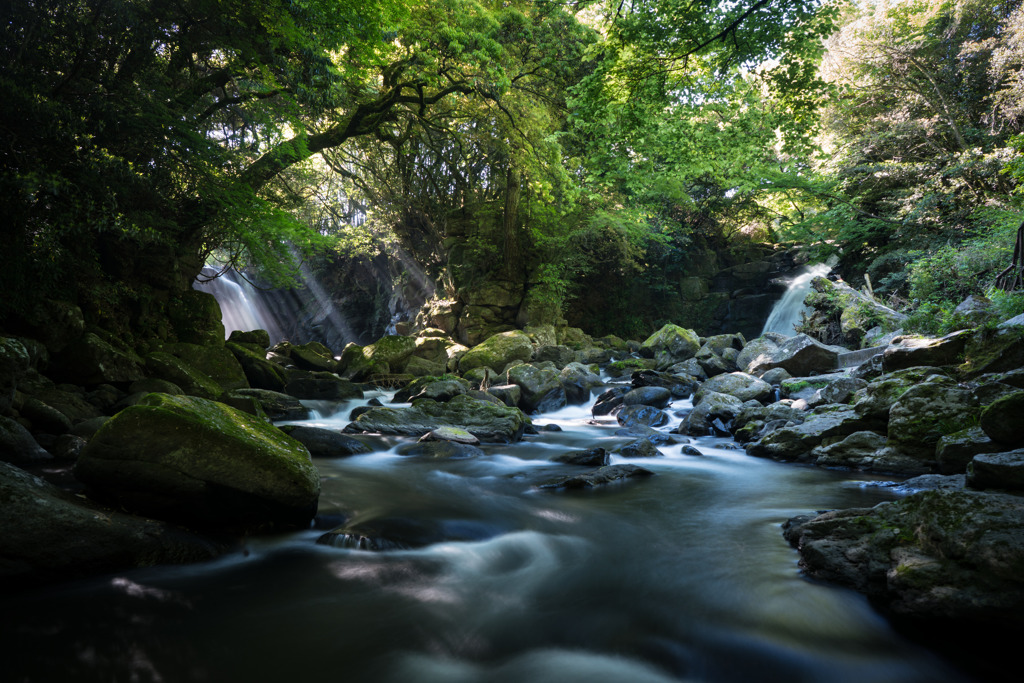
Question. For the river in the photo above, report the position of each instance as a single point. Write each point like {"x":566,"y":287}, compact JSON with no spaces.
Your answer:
{"x":680,"y":576}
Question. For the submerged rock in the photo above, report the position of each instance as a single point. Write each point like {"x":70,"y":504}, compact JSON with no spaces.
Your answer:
{"x":593,"y":457}
{"x":202,"y":463}
{"x":325,"y":443}
{"x":598,"y":477}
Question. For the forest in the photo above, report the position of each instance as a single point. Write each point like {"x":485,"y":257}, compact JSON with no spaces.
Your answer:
{"x":522,"y":408}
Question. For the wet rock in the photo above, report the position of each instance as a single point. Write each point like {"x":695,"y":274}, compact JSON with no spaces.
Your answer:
{"x":200,"y":462}
{"x":931,"y":482}
{"x":657,"y":397}
{"x":856,"y":451}
{"x":688,"y":368}
{"x":776,"y":376}
{"x":17,"y":445}
{"x":404,"y":533}
{"x":441,"y":390}
{"x":874,"y":401}
{"x":647,"y":416}
{"x":216,"y":362}
{"x":275,"y":405}
{"x":997,"y":471}
{"x":541,"y":389}
{"x":598,"y":477}
{"x":935,"y":555}
{"x":260,"y":338}
{"x":680,"y":386}
{"x":712,"y":406}
{"x":558,"y":354}
{"x":1003,"y":420}
{"x":322,"y":386}
{"x":509,"y":394}
{"x":908,"y":352}
{"x":578,"y":381}
{"x":259,"y":372}
{"x":593,"y":457}
{"x":800,"y":356}
{"x":487,"y":421}
{"x":841,"y":390}
{"x":192,"y":381}
{"x":50,"y":535}
{"x":325,"y":443}
{"x":440,"y":449}
{"x":91,"y":360}
{"x":498,"y":351}
{"x":609,"y":400}
{"x":690,"y":450}
{"x":795,"y":442}
{"x":739,"y":384}
{"x":641,"y":448}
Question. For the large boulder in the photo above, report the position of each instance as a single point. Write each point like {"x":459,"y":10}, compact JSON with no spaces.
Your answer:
{"x":739,"y":384}
{"x":498,"y":351}
{"x":541,"y":389}
{"x":17,"y":445}
{"x":190,"y":379}
{"x":275,"y":405}
{"x":997,"y":471}
{"x":999,"y":352}
{"x":856,"y":451}
{"x":260,"y":372}
{"x":578,"y":380}
{"x":874,"y":401}
{"x":598,"y":477}
{"x":712,"y":407}
{"x":200,"y":462}
{"x":955,"y":451}
{"x":216,"y":362}
{"x":757,"y":348}
{"x":936,"y":555}
{"x":928,"y":411}
{"x":795,"y":442}
{"x":908,"y":352}
{"x":50,"y":535}
{"x":485,"y":420}
{"x":91,"y":360}
{"x":800,"y":356}
{"x":1002,"y":420}
{"x":671,"y":344}
{"x":325,"y":443}
{"x":658,"y":397}
{"x":322,"y":386}
{"x":389,"y":354}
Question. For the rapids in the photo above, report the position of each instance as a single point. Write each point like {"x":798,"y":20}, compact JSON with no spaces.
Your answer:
{"x":680,"y":576}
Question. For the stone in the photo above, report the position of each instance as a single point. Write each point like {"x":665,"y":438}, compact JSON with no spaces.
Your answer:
{"x":325,"y":443}
{"x":997,"y":471}
{"x":599,"y":477}
{"x":202,"y":463}
{"x":856,"y":451}
{"x":944,"y":555}
{"x":180,"y":372}
{"x":450,"y":434}
{"x":681,"y":386}
{"x":800,"y":356}
{"x":671,"y":344}
{"x":874,"y":401}
{"x":1003,"y":420}
{"x":44,"y":418}
{"x":17,"y":445}
{"x":776,"y":376}
{"x":1002,"y":351}
{"x":690,"y":450}
{"x":578,"y":380}
{"x":608,"y":401}
{"x":641,"y":448}
{"x":260,"y":338}
{"x":712,"y":406}
{"x":756,"y":348}
{"x":196,"y":318}
{"x":592,"y":457}
{"x":908,"y":352}
{"x":216,"y":362}
{"x":90,"y":360}
{"x":441,"y":449}
{"x":541,"y":390}
{"x":955,"y":451}
{"x":795,"y":442}
{"x":421,"y":367}
{"x":738,"y":384}
{"x":322,"y":386}
{"x":558,"y":354}
{"x":841,"y":390}
{"x":974,"y":310}
{"x":641,"y":415}
{"x":498,"y":351}
{"x":509,"y":394}
{"x":50,"y":535}
{"x":657,"y":397}
{"x":441,"y":390}
{"x":928,"y":411}
{"x":1016,"y":321}
{"x":14,"y":363}
{"x":487,"y":421}
{"x":275,"y":405}
{"x":259,"y":372}
{"x":931,"y":482}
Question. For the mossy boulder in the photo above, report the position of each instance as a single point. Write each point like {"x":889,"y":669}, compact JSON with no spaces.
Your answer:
{"x":50,"y":535}
{"x":14,"y":363}
{"x":321,"y":386}
{"x":739,"y":384}
{"x":485,"y":420}
{"x":928,"y":411}
{"x":196,"y":318}
{"x":671,"y":344}
{"x":325,"y":443}
{"x":712,"y":406}
{"x":1002,"y":420}
{"x":202,"y":463}
{"x":908,"y":352}
{"x":192,"y":381}
{"x":273,"y":404}
{"x":91,"y":360}
{"x":796,"y":441}
{"x":260,"y":338}
{"x":800,"y":356}
{"x":498,"y":351}
{"x":313,"y":356}
{"x":540,"y":387}
{"x":259,"y":372}
{"x":874,"y":401}
{"x":955,"y":451}
{"x":387,"y":355}
{"x":1001,"y":351}
{"x":216,"y":362}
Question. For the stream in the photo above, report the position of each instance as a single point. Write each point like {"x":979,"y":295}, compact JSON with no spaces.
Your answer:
{"x":680,"y":576}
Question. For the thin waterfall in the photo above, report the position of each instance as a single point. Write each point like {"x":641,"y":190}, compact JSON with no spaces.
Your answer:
{"x":241,"y":306}
{"x":786,"y":313}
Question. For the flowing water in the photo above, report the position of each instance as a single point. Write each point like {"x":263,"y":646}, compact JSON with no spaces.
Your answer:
{"x":680,"y":576}
{"x":787,"y":312}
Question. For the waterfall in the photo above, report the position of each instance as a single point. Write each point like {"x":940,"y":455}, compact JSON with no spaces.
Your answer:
{"x":787,"y":311}
{"x":241,"y":306}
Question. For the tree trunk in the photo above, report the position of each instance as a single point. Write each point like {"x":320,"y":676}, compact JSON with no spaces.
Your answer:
{"x":511,"y":251}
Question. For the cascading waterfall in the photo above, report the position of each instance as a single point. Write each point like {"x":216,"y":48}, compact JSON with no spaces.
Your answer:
{"x":241,"y":306}
{"x":786,"y":313}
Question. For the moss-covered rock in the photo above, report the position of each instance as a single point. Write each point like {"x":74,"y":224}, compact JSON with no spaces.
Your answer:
{"x":739,"y":384}
{"x":1001,"y":351}
{"x":955,"y":451}
{"x":273,"y":404}
{"x":795,"y":442}
{"x":259,"y":372}
{"x":91,"y":360}
{"x":313,"y":356}
{"x":907,"y":352}
{"x":14,"y":362}
{"x":671,"y":344}
{"x":1002,"y":420}
{"x":498,"y":351}
{"x":216,"y":362}
{"x":928,"y":411}
{"x":260,"y":338}
{"x":196,"y":318}
{"x":485,"y":420}
{"x":202,"y":463}
{"x":541,"y":389}
{"x":711,"y":407}
{"x":800,"y":356}
{"x":182,"y":373}
{"x":321,"y":386}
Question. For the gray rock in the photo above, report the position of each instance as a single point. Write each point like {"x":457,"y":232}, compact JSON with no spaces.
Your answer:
{"x":598,"y":477}
{"x":658,"y":397}
{"x":796,"y":442}
{"x":955,"y":451}
{"x":775,"y":376}
{"x":671,"y":344}
{"x":997,"y":471}
{"x":641,"y":415}
{"x":931,"y":482}
{"x":443,"y":450}
{"x":690,"y":450}
{"x":712,"y":406}
{"x":762,"y":347}
{"x":855,"y":451}
{"x":928,"y":411}
{"x":738,"y":384}
{"x":593,"y":457}
{"x":509,"y":394}
{"x":908,"y":352}
{"x":800,"y":356}
{"x":1003,"y":420}
{"x":447,"y":433}
{"x":1016,"y":321}
{"x":842,"y":390}
{"x":17,"y":445}
{"x":641,"y":448}
{"x":578,"y":381}
{"x":541,"y":389}
{"x":325,"y":443}
{"x":441,"y":390}
{"x":487,"y":421}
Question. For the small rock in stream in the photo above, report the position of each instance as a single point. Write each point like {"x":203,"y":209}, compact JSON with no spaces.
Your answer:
{"x":598,"y":477}
{"x":594,"y":457}
{"x":690,"y":450}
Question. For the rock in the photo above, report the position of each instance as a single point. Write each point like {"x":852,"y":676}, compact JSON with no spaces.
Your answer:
{"x":804,"y":387}
{"x":943,"y":555}
{"x":796,"y":442}
{"x":312,"y":356}
{"x":578,"y":381}
{"x":800,"y":356}
{"x":671,"y":344}
{"x":276,"y":406}
{"x":387,"y":355}
{"x":441,"y":390}
{"x":649,"y":433}
{"x":876,"y":399}
{"x":487,"y":421}
{"x":593,"y":457}
{"x":557,"y":354}
{"x":14,"y":363}
{"x":758,"y":348}
{"x":87,"y":428}
{"x":416,"y":386}
{"x":17,"y":445}
{"x":609,"y":400}
{"x":1002,"y":351}
{"x":712,"y":406}
{"x":931,"y":482}
{"x":400,"y":533}
{"x":908,"y":352}
{"x":641,"y":448}
{"x":440,"y":449}
{"x":541,"y":389}
{"x":50,"y":535}
{"x":322,"y":386}
{"x":997,"y":471}
{"x":690,"y":450}
{"x":974,"y":310}
{"x":641,"y":415}
{"x":498,"y":351}
{"x":44,"y":418}
{"x":681,"y":386}
{"x":599,"y":477}
{"x":90,"y":360}
{"x":259,"y":372}
{"x":738,"y":384}
{"x":841,"y":390}
{"x":955,"y":451}
{"x":454,"y":434}
{"x":325,"y":443}
{"x":260,"y":338}
{"x":215,"y":362}
{"x":657,"y":397}
{"x":421,"y":367}
{"x":1003,"y":420}
{"x":776,"y":376}
{"x":856,"y":451}
{"x":928,"y":411}
{"x":1016,"y":321}
{"x":509,"y":394}
{"x":180,"y":372}
{"x":202,"y":463}
{"x":56,"y":324}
